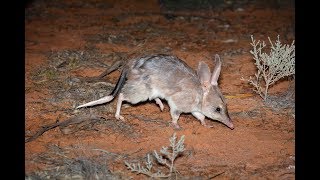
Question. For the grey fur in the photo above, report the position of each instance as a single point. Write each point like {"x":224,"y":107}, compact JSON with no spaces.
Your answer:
{"x":167,"y":77}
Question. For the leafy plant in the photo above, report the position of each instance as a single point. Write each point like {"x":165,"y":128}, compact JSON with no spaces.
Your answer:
{"x":279,"y":63}
{"x":166,"y":157}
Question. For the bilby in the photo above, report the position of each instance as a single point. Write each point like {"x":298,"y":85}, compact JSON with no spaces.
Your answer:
{"x":157,"y":77}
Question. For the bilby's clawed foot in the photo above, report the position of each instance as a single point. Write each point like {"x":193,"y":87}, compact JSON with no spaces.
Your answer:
{"x":175,"y":126}
{"x":120,"y":99}
{"x":119,"y":117}
{"x":206,"y":125}
{"x":161,"y":107}
{"x":175,"y":116}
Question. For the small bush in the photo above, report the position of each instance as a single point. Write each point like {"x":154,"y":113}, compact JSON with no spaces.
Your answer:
{"x":165,"y":158}
{"x":279,"y":63}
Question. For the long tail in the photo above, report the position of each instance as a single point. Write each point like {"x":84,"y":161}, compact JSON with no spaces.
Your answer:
{"x":113,"y":94}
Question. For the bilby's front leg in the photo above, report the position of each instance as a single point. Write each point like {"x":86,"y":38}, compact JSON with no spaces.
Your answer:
{"x":201,"y":117}
{"x":158,"y":101}
{"x":175,"y":116}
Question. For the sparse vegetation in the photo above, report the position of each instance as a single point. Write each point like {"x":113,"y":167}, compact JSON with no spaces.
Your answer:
{"x":166,"y":158}
{"x":71,"y":45}
{"x":71,"y":163}
{"x":278,"y":64}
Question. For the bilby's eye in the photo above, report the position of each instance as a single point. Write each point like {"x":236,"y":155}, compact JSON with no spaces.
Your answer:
{"x":218,"y":109}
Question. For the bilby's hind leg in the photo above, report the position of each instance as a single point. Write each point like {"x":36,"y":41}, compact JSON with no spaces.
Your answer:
{"x":119,"y":103}
{"x":158,"y":101}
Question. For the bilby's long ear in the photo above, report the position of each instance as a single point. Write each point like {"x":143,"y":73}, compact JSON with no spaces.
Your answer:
{"x":216,"y":71}
{"x":204,"y":74}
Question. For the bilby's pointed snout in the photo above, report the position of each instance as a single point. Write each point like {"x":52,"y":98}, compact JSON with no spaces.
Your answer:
{"x":230,"y":125}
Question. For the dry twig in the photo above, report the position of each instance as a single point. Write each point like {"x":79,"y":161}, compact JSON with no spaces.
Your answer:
{"x":78,"y":121}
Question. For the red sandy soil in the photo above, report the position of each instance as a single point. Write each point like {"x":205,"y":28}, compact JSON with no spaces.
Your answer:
{"x":262,"y":145}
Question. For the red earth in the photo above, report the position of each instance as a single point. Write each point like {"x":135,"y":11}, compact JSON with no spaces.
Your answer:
{"x":68,"y":40}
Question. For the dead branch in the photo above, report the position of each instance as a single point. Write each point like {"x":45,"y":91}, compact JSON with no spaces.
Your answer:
{"x":216,"y":175}
{"x":78,"y":121}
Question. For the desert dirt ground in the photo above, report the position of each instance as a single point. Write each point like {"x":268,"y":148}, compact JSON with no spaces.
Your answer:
{"x":68,"y":41}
